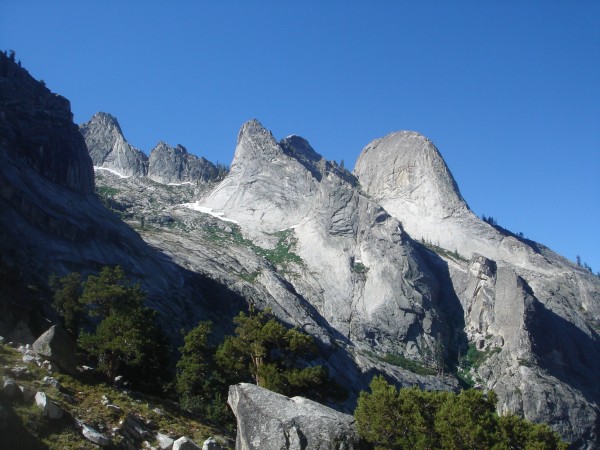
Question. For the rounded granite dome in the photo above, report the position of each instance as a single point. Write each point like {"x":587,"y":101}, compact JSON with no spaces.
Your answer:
{"x":405,"y":166}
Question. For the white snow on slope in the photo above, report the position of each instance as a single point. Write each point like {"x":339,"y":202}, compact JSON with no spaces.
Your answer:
{"x":203,"y":209}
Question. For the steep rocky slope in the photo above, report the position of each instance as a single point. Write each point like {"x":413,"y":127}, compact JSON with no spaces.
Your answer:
{"x":271,"y":263}
{"x":174,"y":165}
{"x":330,"y":252}
{"x":109,"y":149}
{"x":290,"y":230}
{"x":52,"y":222}
{"x":532,"y":312}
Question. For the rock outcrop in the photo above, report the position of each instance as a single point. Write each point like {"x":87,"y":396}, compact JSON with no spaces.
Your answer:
{"x":36,"y":127}
{"x":357,"y":267}
{"x":52,"y":222}
{"x":512,"y":292}
{"x":270,"y":421}
{"x":56,"y":346}
{"x":108,"y":148}
{"x":110,"y":152}
{"x":174,"y":165}
{"x":49,"y":407}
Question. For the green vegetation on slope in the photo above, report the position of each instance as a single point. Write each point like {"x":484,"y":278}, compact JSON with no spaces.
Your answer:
{"x":281,"y":256}
{"x":81,"y":398}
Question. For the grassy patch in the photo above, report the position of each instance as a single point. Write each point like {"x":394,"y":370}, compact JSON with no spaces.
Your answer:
{"x":444,"y":252}
{"x":250,"y":277}
{"x":408,"y":364}
{"x":281,"y":256}
{"x":359,"y":267}
{"x":404,"y":363}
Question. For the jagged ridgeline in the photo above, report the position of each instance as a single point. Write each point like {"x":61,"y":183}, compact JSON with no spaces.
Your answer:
{"x":386,"y":267}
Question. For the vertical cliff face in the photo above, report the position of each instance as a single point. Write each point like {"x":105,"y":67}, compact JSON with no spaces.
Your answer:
{"x":109,"y":149}
{"x":36,"y":127}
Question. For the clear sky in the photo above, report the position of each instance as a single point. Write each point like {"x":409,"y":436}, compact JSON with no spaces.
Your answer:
{"x":509,"y":91}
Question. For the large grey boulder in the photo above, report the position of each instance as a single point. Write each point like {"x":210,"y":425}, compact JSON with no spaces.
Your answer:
{"x":164,"y":441}
{"x":108,"y":148}
{"x":270,"y":421}
{"x":57,"y":346}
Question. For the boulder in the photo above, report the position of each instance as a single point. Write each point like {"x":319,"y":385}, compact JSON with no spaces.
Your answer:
{"x":211,"y":444}
{"x":9,"y":388}
{"x":50,"y":408}
{"x":56,"y":346}
{"x":184,"y":443}
{"x":27,"y":393}
{"x":164,"y":442}
{"x":94,"y":436}
{"x":267,"y":420}
{"x":134,"y":430}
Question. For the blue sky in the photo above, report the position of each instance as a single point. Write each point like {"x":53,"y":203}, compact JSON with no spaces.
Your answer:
{"x":509,"y":91}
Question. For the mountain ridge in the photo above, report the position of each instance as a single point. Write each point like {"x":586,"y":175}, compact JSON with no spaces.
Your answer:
{"x":314,"y":244}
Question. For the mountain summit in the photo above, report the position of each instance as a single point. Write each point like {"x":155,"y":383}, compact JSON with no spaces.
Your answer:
{"x":387,"y":268}
{"x":109,"y":149}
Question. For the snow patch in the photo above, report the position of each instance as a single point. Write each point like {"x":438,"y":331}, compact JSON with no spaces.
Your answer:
{"x":203,"y":209}
{"x":114,"y":172}
{"x":179,"y":184}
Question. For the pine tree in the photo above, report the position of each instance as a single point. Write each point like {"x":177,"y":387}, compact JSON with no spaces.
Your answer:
{"x":264,"y":351}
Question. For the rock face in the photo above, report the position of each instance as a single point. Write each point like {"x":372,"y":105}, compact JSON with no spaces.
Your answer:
{"x":37,"y":127}
{"x":266,"y":420}
{"x":108,"y":148}
{"x":57,"y":346}
{"x":52,"y":222}
{"x":357,"y":267}
{"x":512,"y":292}
{"x":170,"y":165}
{"x":167,"y":165}
{"x":337,"y":258}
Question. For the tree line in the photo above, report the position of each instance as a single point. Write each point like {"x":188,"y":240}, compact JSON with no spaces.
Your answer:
{"x":116,"y":333}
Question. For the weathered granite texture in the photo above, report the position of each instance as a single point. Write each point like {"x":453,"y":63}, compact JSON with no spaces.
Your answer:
{"x":108,"y":148}
{"x":174,"y":165}
{"x":532,"y":312}
{"x":110,"y":152}
{"x":270,"y":421}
